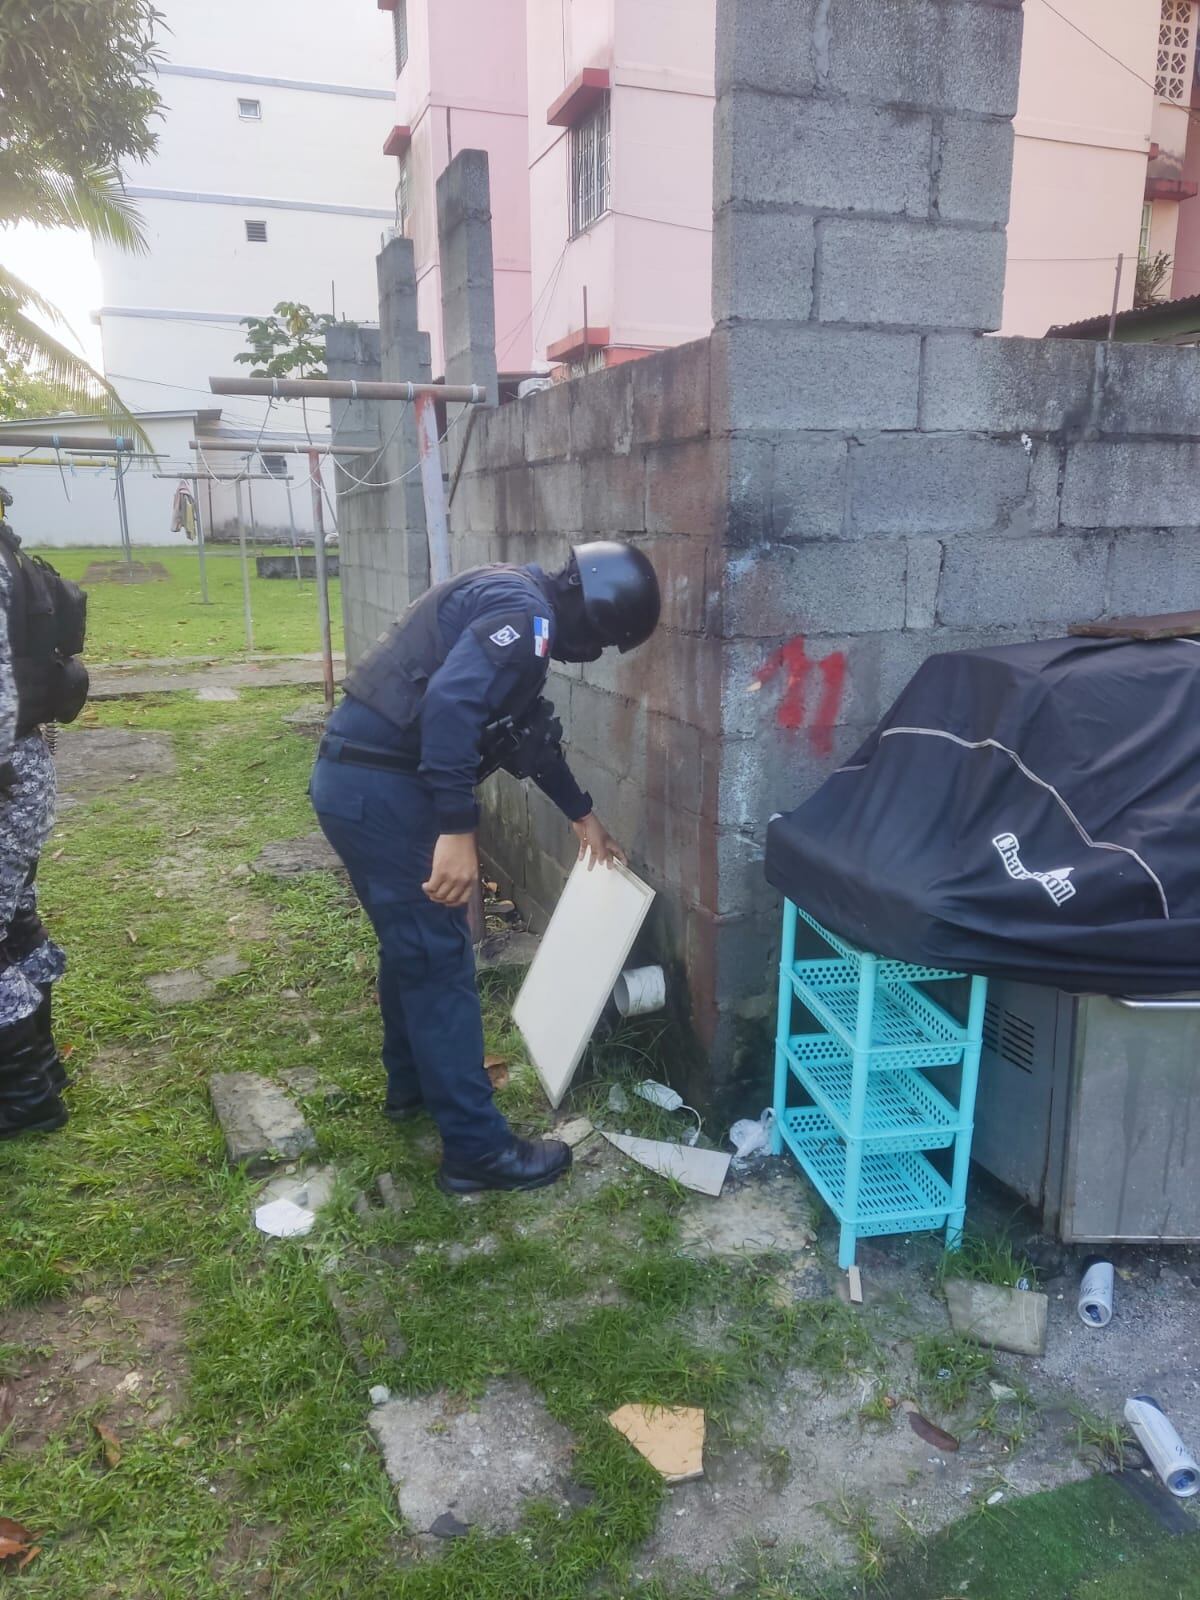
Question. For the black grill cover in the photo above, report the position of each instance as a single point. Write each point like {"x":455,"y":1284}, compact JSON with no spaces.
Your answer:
{"x":1029,"y":812}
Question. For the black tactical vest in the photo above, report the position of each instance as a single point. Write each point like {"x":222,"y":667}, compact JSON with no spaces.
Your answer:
{"x":47,"y":621}
{"x":392,"y":676}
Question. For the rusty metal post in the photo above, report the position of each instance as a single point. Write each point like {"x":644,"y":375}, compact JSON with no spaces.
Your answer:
{"x":314,"y":475}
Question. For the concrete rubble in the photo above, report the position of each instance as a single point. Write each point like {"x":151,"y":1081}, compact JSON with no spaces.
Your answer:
{"x":479,"y":1464}
{"x":1004,"y":1318}
{"x":291,"y":857}
{"x":261,"y":1124}
{"x":191,"y":984}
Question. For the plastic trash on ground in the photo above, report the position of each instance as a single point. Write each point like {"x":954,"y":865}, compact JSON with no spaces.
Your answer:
{"x":283,"y":1219}
{"x":750,"y":1138}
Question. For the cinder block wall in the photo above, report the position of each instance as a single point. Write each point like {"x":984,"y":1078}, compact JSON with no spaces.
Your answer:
{"x":850,"y":476}
{"x":625,"y":454}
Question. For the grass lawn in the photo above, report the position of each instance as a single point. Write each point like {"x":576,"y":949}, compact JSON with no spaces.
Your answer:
{"x":167,"y":618}
{"x":239,"y":1463}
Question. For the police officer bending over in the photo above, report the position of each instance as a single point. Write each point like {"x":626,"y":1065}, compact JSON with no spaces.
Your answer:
{"x":450,"y":693}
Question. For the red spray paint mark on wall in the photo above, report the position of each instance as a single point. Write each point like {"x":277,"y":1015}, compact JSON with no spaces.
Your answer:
{"x":791,"y":662}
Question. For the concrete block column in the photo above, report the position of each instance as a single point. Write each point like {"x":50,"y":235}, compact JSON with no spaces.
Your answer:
{"x":863,"y":158}
{"x":405,"y":356}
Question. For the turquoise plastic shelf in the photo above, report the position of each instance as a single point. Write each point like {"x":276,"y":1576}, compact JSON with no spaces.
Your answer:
{"x":897,"y":1193}
{"x":885,"y":969}
{"x":908,"y":1029}
{"x":903,"y":1110}
{"x":873,"y":1111}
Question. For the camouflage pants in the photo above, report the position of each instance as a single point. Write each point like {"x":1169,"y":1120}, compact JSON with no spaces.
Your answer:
{"x":26,"y":821}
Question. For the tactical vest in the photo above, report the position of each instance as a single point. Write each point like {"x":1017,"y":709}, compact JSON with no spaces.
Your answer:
{"x":47,"y":621}
{"x":391,"y":678}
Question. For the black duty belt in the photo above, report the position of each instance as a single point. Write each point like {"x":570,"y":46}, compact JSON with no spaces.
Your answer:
{"x":334,"y":748}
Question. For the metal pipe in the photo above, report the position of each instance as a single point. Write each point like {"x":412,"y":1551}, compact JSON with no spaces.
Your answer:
{"x":1131,"y":1004}
{"x":347,"y":389}
{"x":314,"y":476}
{"x":55,"y":441}
{"x":434,"y":486}
{"x":40,"y":461}
{"x":204,"y":600}
{"x":211,"y":445}
{"x":123,"y":514}
{"x":1112,"y":321}
{"x":292,"y":525}
{"x":247,"y":614}
{"x":212,"y":477}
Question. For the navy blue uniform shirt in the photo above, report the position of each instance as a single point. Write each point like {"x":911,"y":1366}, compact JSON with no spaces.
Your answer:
{"x":498,"y":630}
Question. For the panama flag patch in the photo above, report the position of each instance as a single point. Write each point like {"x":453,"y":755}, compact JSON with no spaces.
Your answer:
{"x":541,"y":636}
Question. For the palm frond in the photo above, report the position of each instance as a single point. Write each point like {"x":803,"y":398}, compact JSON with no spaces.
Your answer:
{"x":72,"y":381}
{"x":92,"y":202}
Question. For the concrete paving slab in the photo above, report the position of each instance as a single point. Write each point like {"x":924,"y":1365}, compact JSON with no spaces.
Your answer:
{"x":261,"y":1124}
{"x":217,"y":692}
{"x":130,"y":680}
{"x":92,"y":761}
{"x":291,"y":857}
{"x":1005,"y":1319}
{"x":480,"y":1465}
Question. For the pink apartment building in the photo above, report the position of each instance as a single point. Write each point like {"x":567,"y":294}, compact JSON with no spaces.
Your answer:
{"x":597,"y":117}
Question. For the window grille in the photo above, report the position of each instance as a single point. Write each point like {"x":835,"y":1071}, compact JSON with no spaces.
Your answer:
{"x":400,"y":29}
{"x":403,"y":199}
{"x":250,"y":110}
{"x":256,"y":232}
{"x":1176,"y":50}
{"x":591,"y":164}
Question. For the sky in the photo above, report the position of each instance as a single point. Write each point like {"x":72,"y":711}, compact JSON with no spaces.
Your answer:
{"x":60,"y":265}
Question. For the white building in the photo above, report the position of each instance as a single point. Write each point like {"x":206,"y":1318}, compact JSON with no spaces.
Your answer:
{"x":258,"y":192}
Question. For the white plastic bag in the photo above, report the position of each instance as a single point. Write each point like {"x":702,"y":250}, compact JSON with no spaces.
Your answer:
{"x":751,"y":1139}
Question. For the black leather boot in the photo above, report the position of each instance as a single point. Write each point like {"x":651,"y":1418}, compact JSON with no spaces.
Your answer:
{"x":525,"y":1164}
{"x":28,"y":1104}
{"x":55,"y":1071}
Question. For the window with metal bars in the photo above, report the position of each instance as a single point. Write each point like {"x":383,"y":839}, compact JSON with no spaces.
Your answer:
{"x":400,"y":29}
{"x":256,"y":232}
{"x":1176,"y":50}
{"x":403,"y":198}
{"x":591,"y":164}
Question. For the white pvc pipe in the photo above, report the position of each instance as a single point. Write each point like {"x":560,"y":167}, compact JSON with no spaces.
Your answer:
{"x":640,"y":990}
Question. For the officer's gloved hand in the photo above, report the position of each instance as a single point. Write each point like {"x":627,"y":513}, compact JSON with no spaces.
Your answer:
{"x":455,"y":869}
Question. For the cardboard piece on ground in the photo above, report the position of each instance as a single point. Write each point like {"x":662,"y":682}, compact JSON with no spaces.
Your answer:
{"x":578,"y":961}
{"x":670,"y":1437}
{"x":702,"y":1170}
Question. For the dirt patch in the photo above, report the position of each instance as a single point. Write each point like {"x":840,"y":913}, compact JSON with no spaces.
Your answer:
{"x":243,"y":1566}
{"x":118,"y":1356}
{"x":93,"y":761}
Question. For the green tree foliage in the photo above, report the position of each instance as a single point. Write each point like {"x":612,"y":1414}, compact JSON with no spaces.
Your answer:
{"x":289,"y":343}
{"x":77,"y":99}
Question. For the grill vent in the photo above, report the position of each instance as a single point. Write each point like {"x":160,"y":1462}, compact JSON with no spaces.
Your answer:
{"x":256,"y":232}
{"x":1009,"y":1036}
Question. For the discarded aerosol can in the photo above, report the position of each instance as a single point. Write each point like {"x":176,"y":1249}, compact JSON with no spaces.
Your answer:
{"x":1165,"y":1450}
{"x":1096,"y":1292}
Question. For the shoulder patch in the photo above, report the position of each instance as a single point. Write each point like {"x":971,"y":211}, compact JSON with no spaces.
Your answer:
{"x":504,"y":636}
{"x":541,"y":636}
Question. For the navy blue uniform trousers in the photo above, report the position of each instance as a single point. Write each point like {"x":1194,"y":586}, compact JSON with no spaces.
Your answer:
{"x":382,"y":825}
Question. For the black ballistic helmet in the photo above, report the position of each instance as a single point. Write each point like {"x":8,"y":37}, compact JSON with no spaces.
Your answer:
{"x":620,"y":593}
